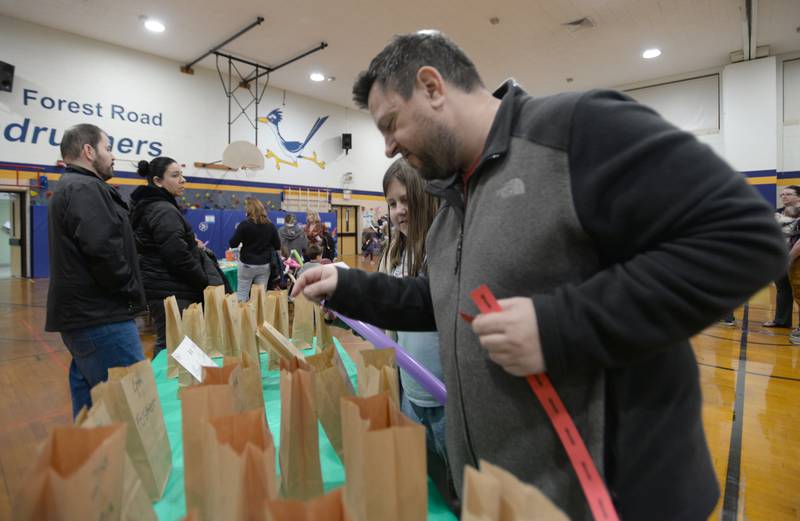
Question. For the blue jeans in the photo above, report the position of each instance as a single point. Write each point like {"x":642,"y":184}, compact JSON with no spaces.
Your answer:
{"x":96,"y":349}
{"x":432,"y":418}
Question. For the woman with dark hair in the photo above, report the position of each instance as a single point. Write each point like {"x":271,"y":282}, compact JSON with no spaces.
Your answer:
{"x":259,"y":239}
{"x":170,"y":257}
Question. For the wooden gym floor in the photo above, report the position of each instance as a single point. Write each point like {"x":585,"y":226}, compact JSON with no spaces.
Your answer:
{"x":750,"y":377}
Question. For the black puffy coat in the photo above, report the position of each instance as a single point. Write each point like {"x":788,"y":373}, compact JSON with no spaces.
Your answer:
{"x":170,"y":261}
{"x":94,"y":277}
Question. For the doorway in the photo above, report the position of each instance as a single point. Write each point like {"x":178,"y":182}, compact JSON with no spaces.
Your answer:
{"x":13,"y":234}
{"x":347,"y":221}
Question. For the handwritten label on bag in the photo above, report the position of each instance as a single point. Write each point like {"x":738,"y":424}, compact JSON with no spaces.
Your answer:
{"x":192,"y":358}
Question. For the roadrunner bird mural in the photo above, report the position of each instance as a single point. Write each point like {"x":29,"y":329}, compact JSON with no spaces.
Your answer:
{"x":291,"y":149}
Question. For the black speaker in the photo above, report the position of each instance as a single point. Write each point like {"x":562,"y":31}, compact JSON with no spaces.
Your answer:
{"x":347,"y":142}
{"x":6,"y":76}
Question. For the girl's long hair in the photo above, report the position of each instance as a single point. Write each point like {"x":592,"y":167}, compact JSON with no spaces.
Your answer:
{"x":422,"y":208}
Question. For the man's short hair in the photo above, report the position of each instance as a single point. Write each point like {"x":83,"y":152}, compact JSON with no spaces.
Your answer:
{"x":77,"y":136}
{"x":289,"y":218}
{"x":396,"y":66}
{"x":795,"y":188}
{"x":313,"y":251}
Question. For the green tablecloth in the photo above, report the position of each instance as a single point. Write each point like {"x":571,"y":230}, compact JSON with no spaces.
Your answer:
{"x":172,"y":506}
{"x":232,"y":275}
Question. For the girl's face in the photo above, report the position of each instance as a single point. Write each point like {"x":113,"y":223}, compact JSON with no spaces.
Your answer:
{"x":398,"y":205}
{"x":172,"y":181}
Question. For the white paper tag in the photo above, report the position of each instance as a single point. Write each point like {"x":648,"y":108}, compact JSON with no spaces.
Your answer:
{"x":192,"y":358}
{"x":341,"y":264}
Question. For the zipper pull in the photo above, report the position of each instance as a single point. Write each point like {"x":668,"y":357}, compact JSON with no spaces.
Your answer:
{"x":458,"y":252}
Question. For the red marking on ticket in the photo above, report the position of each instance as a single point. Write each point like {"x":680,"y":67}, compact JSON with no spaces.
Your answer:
{"x":467,"y":318}
{"x":484,"y":299}
{"x":592,"y":484}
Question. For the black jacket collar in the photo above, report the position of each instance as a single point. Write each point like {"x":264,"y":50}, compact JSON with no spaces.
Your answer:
{"x":75,"y":169}
{"x":149,"y":194}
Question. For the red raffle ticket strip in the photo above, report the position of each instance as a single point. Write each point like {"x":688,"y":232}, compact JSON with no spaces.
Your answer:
{"x":592,"y":484}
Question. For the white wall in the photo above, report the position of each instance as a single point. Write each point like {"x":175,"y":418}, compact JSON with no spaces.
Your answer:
{"x":791,"y":115}
{"x":191,"y":109}
{"x":750,"y":114}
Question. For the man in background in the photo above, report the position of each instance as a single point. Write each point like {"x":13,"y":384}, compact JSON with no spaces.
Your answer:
{"x":95,"y":285}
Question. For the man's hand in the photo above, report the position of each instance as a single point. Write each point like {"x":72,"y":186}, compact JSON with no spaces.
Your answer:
{"x":511,"y":336}
{"x":317,"y":284}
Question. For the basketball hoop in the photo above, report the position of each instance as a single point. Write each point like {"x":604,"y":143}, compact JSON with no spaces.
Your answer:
{"x":243,"y":154}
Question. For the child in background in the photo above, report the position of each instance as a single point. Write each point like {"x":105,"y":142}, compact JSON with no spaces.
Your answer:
{"x":314,"y":253}
{"x":411,"y":212}
{"x":371,"y":246}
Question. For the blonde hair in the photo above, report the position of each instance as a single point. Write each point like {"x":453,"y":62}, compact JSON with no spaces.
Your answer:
{"x":255,"y":211}
{"x":312,"y":217}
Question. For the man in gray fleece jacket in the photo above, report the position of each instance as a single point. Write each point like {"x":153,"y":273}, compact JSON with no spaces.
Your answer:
{"x":629,"y":236}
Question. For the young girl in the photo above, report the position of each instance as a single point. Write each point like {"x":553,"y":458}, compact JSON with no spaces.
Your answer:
{"x":411,"y":211}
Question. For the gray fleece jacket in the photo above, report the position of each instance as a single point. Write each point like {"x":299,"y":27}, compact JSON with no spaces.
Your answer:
{"x":629,"y":236}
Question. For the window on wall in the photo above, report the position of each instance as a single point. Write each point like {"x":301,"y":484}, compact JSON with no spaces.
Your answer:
{"x":791,"y":92}
{"x":692,"y":105}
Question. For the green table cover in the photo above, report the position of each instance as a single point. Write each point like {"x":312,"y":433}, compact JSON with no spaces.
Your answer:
{"x":232,"y":275}
{"x":172,"y":506}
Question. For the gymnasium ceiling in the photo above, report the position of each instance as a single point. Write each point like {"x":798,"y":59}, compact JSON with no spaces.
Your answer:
{"x":530,"y":42}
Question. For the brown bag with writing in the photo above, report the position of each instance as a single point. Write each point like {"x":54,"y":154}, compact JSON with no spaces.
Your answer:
{"x":78,"y":474}
{"x":322,"y":332}
{"x":194,"y":327}
{"x":242,"y":452}
{"x":247,"y":333}
{"x":231,"y":322}
{"x":303,"y":322}
{"x":331,"y":384}
{"x":493,"y":494}
{"x":245,"y":378}
{"x":199,"y":403}
{"x":329,"y":507}
{"x":384,"y":461}
{"x":377,"y":373}
{"x":174,"y":326}
{"x":301,"y":473}
{"x":136,"y":505}
{"x":130,"y":396}
{"x":213,"y":297}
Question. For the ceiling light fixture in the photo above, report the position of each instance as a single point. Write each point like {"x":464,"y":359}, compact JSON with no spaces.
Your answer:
{"x":154,"y":26}
{"x":316,"y":76}
{"x":649,"y":54}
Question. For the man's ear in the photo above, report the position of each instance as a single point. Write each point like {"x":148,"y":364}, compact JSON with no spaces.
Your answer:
{"x":432,"y":85}
{"x":88,"y":152}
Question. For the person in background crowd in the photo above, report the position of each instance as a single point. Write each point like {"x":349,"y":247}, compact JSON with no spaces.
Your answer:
{"x":170,"y":256}
{"x":258,"y":238}
{"x":95,"y":285}
{"x":292,"y":236}
{"x":603,"y":291}
{"x":790,"y":197}
{"x":314,"y":229}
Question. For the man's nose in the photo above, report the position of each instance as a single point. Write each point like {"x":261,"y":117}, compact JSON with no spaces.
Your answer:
{"x":391,"y":147}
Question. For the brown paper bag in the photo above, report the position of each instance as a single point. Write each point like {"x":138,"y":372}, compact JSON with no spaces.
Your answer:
{"x":322,"y":332}
{"x":199,"y":403}
{"x":78,"y":474}
{"x":247,"y":333}
{"x":377,"y":373}
{"x":258,"y":300}
{"x":331,"y":384}
{"x":136,"y":505}
{"x":280,"y":310}
{"x":329,"y":507}
{"x":301,"y":473}
{"x":231,"y":324}
{"x":130,"y":396}
{"x":174,"y":333}
{"x":194,"y":327}
{"x":213,"y":297}
{"x":493,"y":494}
{"x":243,"y":454}
{"x":384,"y":461}
{"x":279,"y":344}
{"x":303,"y":322}
{"x":245,"y":378}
